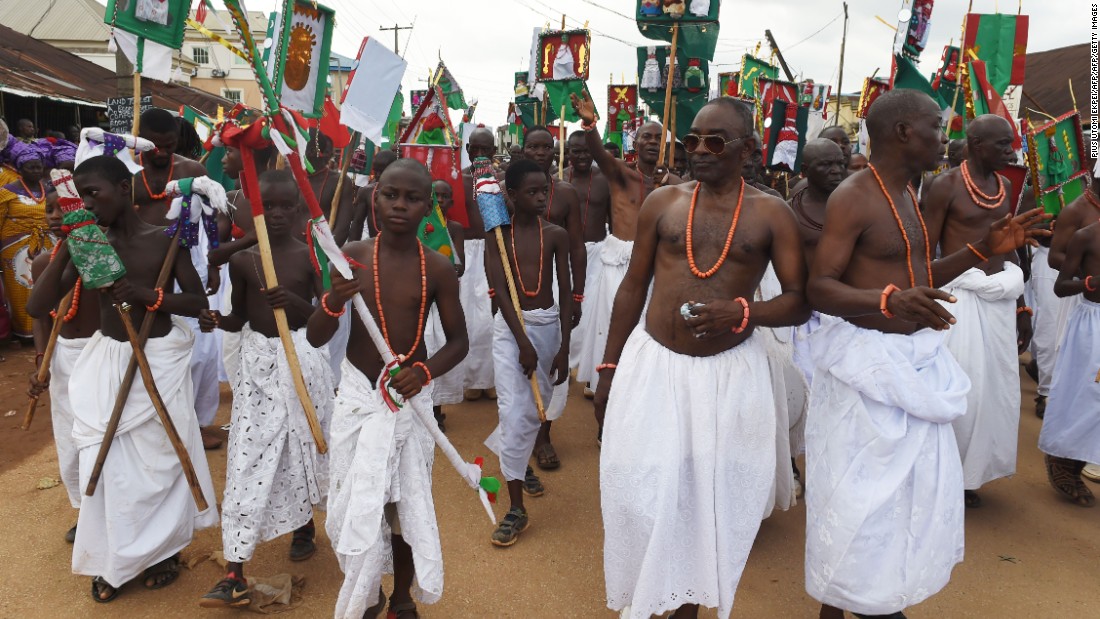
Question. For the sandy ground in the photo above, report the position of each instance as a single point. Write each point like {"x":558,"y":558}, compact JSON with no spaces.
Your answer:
{"x":1028,"y":553}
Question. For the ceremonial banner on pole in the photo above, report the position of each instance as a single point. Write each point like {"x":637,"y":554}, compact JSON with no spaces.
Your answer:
{"x":873,"y":88}
{"x":911,"y":39}
{"x":1056,"y":154}
{"x":372,"y":88}
{"x":431,"y":140}
{"x":1001,"y":41}
{"x":690,"y":83}
{"x":563,"y":67}
{"x":161,"y":21}
{"x":452,"y":92}
{"x":751,"y":70}
{"x":986,"y":100}
{"x":728,"y":84}
{"x":697,"y":20}
{"x":298,"y":60}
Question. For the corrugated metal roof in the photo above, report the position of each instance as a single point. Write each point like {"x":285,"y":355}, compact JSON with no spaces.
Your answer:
{"x":56,"y":20}
{"x":28,"y":65}
{"x":1047,"y":77}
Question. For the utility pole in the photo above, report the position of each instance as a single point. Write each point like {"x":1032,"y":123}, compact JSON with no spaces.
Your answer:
{"x":779,"y":55}
{"x":396,"y":30}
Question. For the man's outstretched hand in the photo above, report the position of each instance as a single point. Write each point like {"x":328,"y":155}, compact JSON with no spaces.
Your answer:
{"x":584,"y":107}
{"x":1011,"y":233}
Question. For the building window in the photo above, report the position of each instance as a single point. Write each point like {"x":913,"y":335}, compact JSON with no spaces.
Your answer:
{"x":201,"y":55}
{"x":237,"y":60}
{"x":233,"y":94}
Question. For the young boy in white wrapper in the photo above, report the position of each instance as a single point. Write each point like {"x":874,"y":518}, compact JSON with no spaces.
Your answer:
{"x":79,"y":324}
{"x":274,"y":475}
{"x":381,"y":515}
{"x":536,"y":250}
{"x":143,"y":511}
{"x":1071,"y":428}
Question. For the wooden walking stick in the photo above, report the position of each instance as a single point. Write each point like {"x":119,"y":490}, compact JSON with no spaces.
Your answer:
{"x":494,"y":221}
{"x":162,"y":412}
{"x":47,"y":356}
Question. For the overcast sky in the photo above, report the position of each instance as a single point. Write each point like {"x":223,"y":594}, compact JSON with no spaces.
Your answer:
{"x":484,"y":42}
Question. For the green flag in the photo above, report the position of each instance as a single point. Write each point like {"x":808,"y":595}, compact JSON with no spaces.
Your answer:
{"x":393,"y":121}
{"x":907,"y":75}
{"x":559,"y":93}
{"x":698,"y":35}
{"x":1001,"y":41}
{"x":433,"y":233}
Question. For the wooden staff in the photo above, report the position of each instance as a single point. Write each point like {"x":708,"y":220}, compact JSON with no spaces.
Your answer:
{"x":672,"y":130}
{"x":162,"y":411}
{"x":561,"y":142}
{"x":281,"y":323}
{"x":344,"y":165}
{"x":131,"y":371}
{"x":671,"y":64}
{"x":519,"y":315}
{"x":47,"y":356}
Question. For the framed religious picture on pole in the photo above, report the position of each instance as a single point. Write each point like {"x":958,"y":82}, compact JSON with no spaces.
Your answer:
{"x":563,"y":55}
{"x":161,"y":21}
{"x":298,"y":58}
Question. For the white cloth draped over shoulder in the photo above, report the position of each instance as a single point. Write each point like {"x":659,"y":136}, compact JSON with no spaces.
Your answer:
{"x":983,"y":341}
{"x":65,"y":354}
{"x":686,"y":470}
{"x":477,"y":367}
{"x":513,"y":440}
{"x":1071,"y":427}
{"x":600,"y":292}
{"x":143,"y":510}
{"x":884,"y":500}
{"x":274,"y":475}
{"x":379,"y":457}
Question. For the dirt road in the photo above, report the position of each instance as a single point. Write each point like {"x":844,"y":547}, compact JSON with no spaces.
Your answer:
{"x":1028,"y":553}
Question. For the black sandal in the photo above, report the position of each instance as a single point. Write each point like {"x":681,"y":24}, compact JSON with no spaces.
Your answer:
{"x":374,"y":611}
{"x":99,"y":586}
{"x":302,"y":546}
{"x":162,"y":573}
{"x":404,"y":611}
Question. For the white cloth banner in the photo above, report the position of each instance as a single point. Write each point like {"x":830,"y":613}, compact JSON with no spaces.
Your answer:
{"x":156,"y":59}
{"x":370,"y":95}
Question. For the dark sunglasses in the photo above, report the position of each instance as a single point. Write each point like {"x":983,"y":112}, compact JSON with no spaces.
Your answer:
{"x":714,"y":144}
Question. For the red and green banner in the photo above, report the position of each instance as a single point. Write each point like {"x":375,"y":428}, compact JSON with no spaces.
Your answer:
{"x":433,"y":232}
{"x":987,"y":101}
{"x":728,"y":84}
{"x":1000,"y":41}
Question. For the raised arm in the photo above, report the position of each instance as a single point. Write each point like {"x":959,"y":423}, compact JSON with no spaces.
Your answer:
{"x":609,"y":165}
